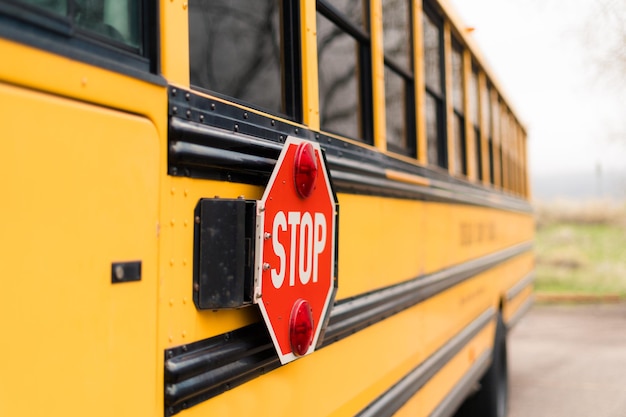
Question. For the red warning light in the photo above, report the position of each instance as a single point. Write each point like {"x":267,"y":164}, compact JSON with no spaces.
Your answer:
{"x":305,"y":169}
{"x":301,"y":327}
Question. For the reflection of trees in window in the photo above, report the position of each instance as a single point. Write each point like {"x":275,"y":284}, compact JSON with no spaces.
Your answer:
{"x":474,"y":98}
{"x":434,"y":77}
{"x":235,"y":50}
{"x":488,"y":126}
{"x":458,"y":121}
{"x":343,"y":68}
{"x":399,"y":94}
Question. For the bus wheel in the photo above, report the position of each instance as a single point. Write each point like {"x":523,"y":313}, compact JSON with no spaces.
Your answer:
{"x":492,"y":399}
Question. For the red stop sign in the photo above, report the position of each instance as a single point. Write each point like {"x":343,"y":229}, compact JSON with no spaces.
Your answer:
{"x":295,"y":249}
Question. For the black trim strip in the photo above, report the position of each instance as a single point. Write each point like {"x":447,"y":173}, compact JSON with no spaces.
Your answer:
{"x":521,"y":312}
{"x":520,"y":286}
{"x":393,"y":399}
{"x":204,"y":369}
{"x":463,"y":388}
{"x":232,"y":144}
{"x":349,"y":316}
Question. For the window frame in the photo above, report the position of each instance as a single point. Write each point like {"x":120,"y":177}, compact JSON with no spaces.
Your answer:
{"x":37,"y":27}
{"x":291,"y":68}
{"x":408,"y":77}
{"x":458,"y":112}
{"x":362,"y":36}
{"x":441,"y":141}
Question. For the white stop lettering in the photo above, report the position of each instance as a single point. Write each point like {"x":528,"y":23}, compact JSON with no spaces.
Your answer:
{"x":306,"y":236}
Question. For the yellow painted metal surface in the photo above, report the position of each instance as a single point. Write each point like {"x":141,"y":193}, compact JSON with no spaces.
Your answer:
{"x":80,"y":191}
{"x":44,"y":71}
{"x":427,"y":237}
{"x":179,"y":320}
{"x":378,"y":74}
{"x":310,"y":95}
{"x":85,"y":184}
{"x":420,"y":83}
{"x":338,"y":380}
{"x":174,"y":26}
{"x":427,"y":399}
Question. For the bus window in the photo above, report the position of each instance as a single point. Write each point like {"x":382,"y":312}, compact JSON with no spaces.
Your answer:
{"x":488,"y":125}
{"x":434,"y":77}
{"x":116,"y":20}
{"x":458,"y":119}
{"x":474,"y":96}
{"x":237,"y":51}
{"x":343,"y":65}
{"x":399,"y":78}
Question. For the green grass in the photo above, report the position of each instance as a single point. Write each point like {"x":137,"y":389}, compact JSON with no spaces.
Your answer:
{"x":582,"y":255}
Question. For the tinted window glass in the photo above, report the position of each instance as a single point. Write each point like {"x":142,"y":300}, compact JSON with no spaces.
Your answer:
{"x":432,"y":130}
{"x":398,"y":76}
{"x":473,"y":97}
{"x":339,"y":89}
{"x":432,"y":55}
{"x":395,"y":109}
{"x":460,"y":164}
{"x":352,"y":10}
{"x":116,"y":20}
{"x":397,"y":33}
{"x":457,"y":78}
{"x":235,"y":50}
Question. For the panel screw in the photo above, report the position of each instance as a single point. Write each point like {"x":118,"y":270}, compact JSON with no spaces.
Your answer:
{"x":267,"y":235}
{"x":273,"y":122}
{"x":212,"y":106}
{"x":173,"y":91}
{"x":202,"y":118}
{"x":196,"y":287}
{"x":174,"y":109}
{"x":236,"y":128}
{"x":187,"y":96}
{"x":266,"y":266}
{"x":197,"y":219}
{"x":245,"y":115}
{"x":241,"y":197}
{"x":188,"y":114}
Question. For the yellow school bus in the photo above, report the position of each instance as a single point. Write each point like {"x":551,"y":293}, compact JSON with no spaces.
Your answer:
{"x":139,"y":139}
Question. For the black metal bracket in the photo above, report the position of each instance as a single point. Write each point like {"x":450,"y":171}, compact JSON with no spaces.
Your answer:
{"x":224,"y":240}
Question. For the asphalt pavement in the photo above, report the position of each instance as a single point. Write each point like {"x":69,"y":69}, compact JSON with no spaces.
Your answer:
{"x":569,"y":361}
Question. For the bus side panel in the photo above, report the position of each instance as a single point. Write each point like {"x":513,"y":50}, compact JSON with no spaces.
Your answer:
{"x":79,"y":193}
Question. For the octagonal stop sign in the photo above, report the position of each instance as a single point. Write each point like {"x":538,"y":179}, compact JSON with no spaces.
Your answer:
{"x":295,"y":280}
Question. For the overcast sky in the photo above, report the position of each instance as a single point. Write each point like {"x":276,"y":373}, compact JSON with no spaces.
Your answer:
{"x":546,"y":55}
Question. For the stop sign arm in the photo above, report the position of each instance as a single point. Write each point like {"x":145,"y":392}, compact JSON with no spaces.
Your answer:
{"x":296,"y":249}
